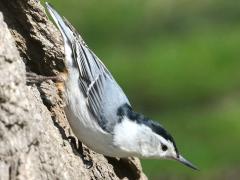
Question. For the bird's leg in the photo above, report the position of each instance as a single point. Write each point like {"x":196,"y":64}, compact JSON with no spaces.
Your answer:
{"x":33,"y":78}
{"x":86,"y":158}
{"x":72,"y":141}
{"x":80,"y":148}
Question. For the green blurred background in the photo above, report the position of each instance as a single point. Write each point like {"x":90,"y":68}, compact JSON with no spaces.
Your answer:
{"x":178,"y":62}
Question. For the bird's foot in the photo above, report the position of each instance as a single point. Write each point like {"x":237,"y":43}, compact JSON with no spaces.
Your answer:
{"x":78,"y":146}
{"x":87,"y":160}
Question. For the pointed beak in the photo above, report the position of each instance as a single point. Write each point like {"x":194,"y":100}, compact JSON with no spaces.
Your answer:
{"x":186,"y":162}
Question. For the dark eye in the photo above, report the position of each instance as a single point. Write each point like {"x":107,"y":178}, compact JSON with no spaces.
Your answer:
{"x":164,"y":147}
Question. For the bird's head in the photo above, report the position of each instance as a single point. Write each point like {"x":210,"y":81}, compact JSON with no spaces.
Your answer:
{"x":166,"y":146}
{"x":148,"y":139}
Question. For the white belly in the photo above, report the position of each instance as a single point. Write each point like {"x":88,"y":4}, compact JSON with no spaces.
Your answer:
{"x":84,"y":124}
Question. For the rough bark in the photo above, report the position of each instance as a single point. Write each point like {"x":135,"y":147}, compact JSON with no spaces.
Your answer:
{"x":35,"y":138}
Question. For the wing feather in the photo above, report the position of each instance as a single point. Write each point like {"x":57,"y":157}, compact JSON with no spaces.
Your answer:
{"x":103,"y":95}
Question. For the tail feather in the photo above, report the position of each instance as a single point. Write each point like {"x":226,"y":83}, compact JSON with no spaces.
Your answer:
{"x":63,"y":26}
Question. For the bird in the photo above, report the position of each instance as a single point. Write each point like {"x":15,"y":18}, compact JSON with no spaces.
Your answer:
{"x":99,"y":112}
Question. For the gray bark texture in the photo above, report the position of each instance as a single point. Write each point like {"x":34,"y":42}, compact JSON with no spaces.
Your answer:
{"x":35,"y":138}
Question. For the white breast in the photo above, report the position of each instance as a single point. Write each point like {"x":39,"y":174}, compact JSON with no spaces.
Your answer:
{"x":83,"y":124}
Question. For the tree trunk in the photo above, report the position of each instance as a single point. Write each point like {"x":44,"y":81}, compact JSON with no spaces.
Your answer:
{"x":35,"y":138}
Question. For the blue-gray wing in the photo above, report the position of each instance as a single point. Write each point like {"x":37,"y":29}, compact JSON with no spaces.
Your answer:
{"x":104,"y":96}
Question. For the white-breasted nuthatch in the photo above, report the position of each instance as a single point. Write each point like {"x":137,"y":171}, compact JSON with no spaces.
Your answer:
{"x":99,"y":112}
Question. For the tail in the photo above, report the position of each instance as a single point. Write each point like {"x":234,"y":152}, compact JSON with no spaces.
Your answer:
{"x":68,"y":32}
{"x":61,"y":23}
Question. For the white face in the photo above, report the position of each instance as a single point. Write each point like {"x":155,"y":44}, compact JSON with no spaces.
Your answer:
{"x":140,"y":140}
{"x":155,"y":146}
{"x":166,"y":149}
